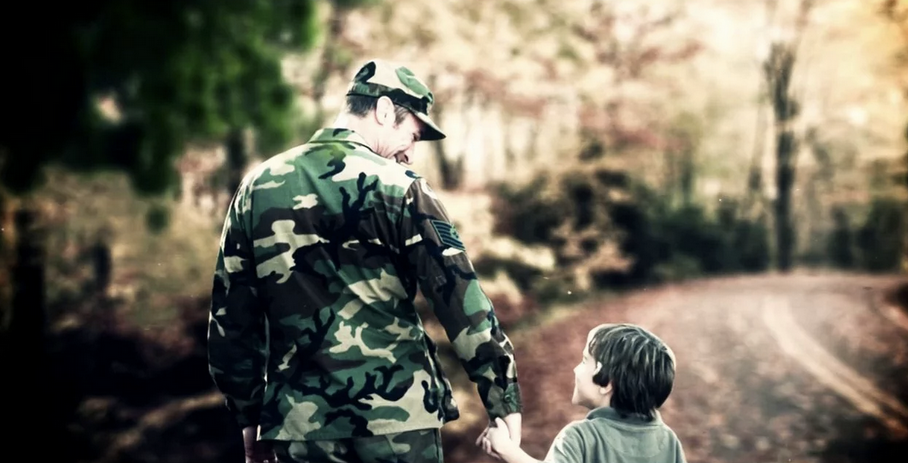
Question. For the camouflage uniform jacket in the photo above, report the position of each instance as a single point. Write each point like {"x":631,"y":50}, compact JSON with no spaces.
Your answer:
{"x":313,"y":333}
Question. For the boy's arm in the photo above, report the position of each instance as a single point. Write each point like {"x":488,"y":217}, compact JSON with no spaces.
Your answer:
{"x":431,"y":246}
{"x":515,"y":455}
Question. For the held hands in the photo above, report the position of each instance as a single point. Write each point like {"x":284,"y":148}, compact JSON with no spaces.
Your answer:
{"x":256,"y":451}
{"x":498,"y":440}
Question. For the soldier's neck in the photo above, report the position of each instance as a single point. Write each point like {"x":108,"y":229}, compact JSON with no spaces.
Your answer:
{"x":358,"y":125}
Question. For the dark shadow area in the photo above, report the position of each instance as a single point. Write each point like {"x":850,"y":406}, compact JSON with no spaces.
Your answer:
{"x":120,"y":395}
{"x":898,"y":297}
{"x":865,"y":442}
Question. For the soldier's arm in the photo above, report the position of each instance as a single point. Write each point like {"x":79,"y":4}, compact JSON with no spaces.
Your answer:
{"x":236,"y":327}
{"x":448,"y":281}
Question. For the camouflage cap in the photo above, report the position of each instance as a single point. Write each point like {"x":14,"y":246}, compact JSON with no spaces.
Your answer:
{"x":379,"y":78}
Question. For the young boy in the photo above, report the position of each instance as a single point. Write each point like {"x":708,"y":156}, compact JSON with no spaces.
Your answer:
{"x":626,"y":374}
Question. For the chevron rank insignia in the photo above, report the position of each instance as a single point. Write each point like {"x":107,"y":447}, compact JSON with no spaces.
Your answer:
{"x":447,"y":234}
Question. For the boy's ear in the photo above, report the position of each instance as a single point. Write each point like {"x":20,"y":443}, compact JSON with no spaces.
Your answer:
{"x":603,"y":390}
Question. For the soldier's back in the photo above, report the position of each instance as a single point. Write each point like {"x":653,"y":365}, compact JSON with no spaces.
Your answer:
{"x":345,"y":340}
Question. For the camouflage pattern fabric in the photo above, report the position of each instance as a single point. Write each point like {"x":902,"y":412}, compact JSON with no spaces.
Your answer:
{"x":322,"y":251}
{"x":380,"y":78}
{"x":411,"y":446}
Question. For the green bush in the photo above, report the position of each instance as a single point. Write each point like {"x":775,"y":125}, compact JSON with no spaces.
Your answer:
{"x":157,"y":218}
{"x":668,"y":242}
{"x":528,"y":214}
{"x":610,"y":231}
{"x":524,"y":275}
{"x":840,"y":246}
{"x":881,"y":238}
{"x":751,"y":244}
{"x":568,"y":213}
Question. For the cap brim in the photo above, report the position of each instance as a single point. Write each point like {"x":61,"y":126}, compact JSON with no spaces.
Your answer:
{"x":430,"y":131}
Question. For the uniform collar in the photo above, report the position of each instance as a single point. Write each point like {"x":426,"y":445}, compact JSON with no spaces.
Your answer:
{"x":612,"y":414}
{"x":335,"y":135}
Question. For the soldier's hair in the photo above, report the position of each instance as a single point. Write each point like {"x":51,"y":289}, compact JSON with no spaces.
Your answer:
{"x":362,"y":105}
{"x":639,"y":365}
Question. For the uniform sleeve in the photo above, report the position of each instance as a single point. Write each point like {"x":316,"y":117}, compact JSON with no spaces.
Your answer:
{"x":432,"y":248}
{"x":566,"y":448}
{"x":236,"y":326}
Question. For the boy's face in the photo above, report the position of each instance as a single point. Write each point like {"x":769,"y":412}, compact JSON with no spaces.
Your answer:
{"x":587,"y":393}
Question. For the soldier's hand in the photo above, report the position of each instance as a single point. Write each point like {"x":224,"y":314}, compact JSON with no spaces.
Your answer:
{"x":256,"y":451}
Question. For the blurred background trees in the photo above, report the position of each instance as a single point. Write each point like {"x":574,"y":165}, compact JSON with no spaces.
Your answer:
{"x":897,"y":13}
{"x":125,"y":86}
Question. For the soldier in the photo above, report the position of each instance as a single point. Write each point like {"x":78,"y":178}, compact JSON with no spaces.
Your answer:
{"x":313,"y":337}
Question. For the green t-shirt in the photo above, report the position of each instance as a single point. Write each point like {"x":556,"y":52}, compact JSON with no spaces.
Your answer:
{"x":606,"y":436}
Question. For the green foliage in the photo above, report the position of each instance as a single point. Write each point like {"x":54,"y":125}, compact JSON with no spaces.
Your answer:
{"x":176,"y":70}
{"x":613,"y":231}
{"x":351,"y":4}
{"x":523,"y":275}
{"x":568,"y":213}
{"x":669,"y":243}
{"x":880,"y":239}
{"x":157,"y":218}
{"x":840,"y":246}
{"x":531,"y":216}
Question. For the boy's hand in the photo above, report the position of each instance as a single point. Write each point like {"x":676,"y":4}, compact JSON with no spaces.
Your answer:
{"x":513,"y":424}
{"x":483,"y":442}
{"x":500,"y":436}
{"x":496,"y":439}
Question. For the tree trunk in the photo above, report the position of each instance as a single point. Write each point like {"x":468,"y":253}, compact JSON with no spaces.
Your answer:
{"x":755,"y":172}
{"x":687,"y":175}
{"x":778,"y":69}
{"x":237,"y":158}
{"x":451,"y":171}
{"x":670,"y":177}
{"x":6,"y":231}
{"x":102,"y":262}
{"x":785,"y":175}
{"x":328,"y":65}
{"x":510,"y":157}
{"x":899,"y":17}
{"x":534,"y":142}
{"x":24,"y":348}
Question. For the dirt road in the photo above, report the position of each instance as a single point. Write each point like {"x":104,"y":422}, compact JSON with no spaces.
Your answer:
{"x":798,"y":368}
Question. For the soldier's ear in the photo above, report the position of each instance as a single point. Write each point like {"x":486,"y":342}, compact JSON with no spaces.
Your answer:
{"x":384,"y":111}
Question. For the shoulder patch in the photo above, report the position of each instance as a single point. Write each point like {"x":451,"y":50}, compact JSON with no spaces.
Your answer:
{"x":447,"y":234}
